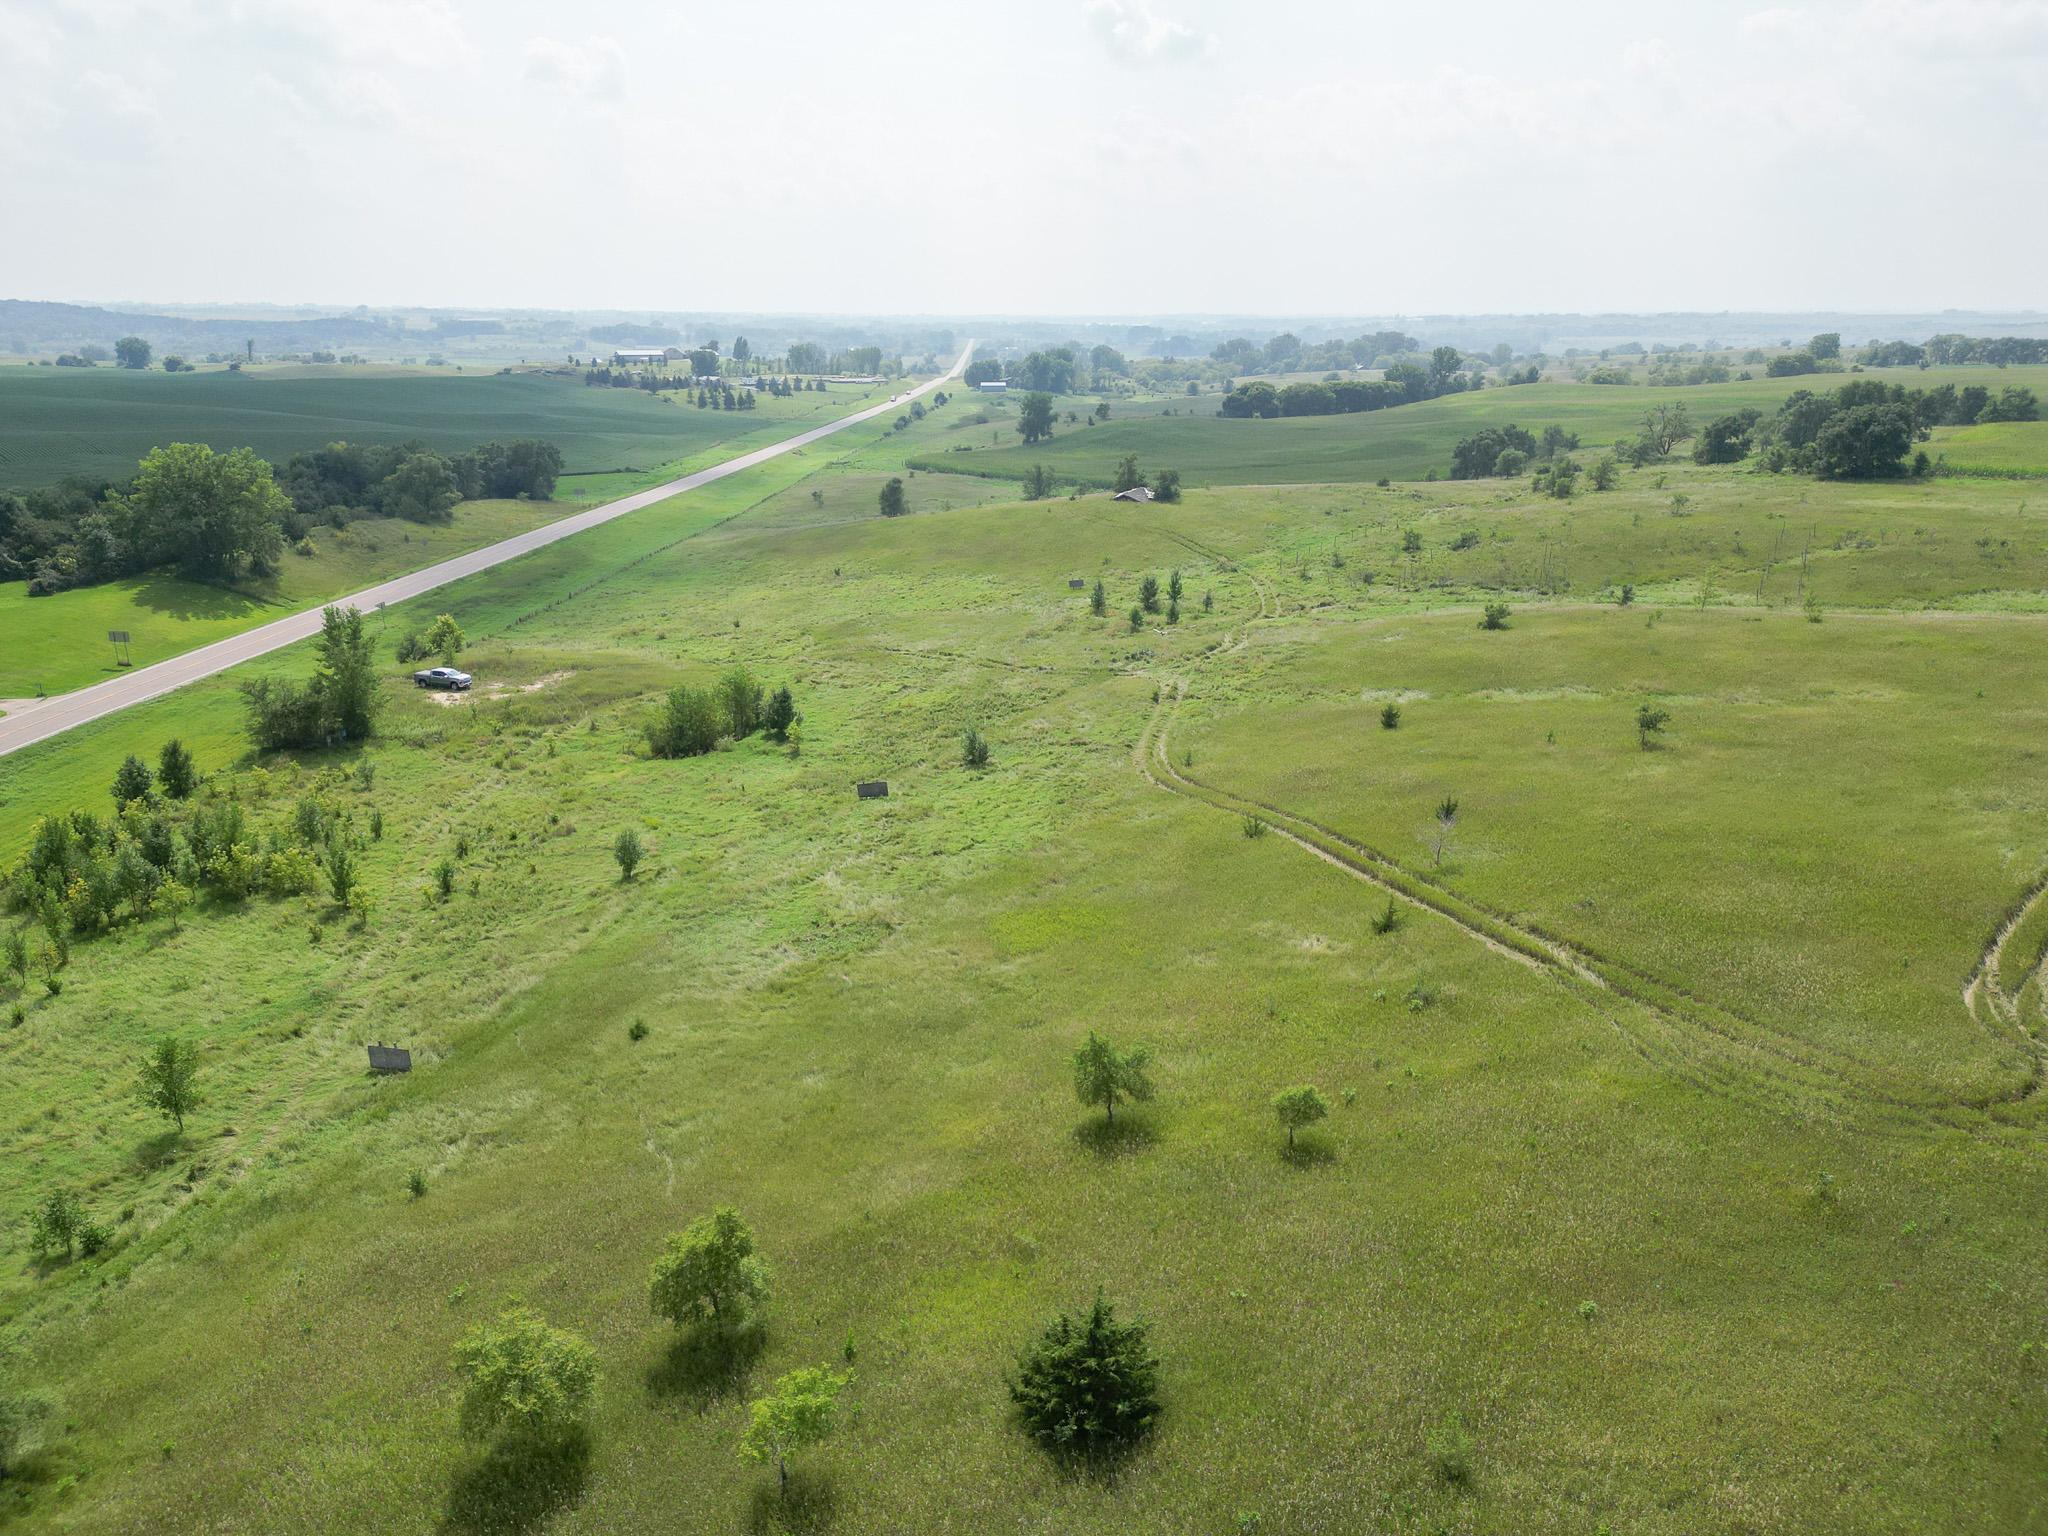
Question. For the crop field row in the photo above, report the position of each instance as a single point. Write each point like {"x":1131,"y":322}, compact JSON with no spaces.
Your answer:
{"x":99,"y":422}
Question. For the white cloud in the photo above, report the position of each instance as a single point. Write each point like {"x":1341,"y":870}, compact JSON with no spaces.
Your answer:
{"x":1135,"y":33}
{"x":597,"y":67}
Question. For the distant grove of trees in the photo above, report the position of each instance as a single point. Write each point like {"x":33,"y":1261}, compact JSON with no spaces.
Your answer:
{"x":219,"y":517}
{"x":1865,"y":430}
{"x":1288,"y":353}
{"x":1403,"y":384}
{"x":1953,"y":350}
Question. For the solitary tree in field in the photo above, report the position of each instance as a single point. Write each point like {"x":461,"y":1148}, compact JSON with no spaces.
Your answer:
{"x":780,"y":714}
{"x":628,"y":852}
{"x":973,"y":748}
{"x":1495,"y":616}
{"x":709,"y":1272}
{"x":1038,"y":483}
{"x":1128,"y":477}
{"x":1446,"y":820}
{"x":1166,"y":485}
{"x":132,"y":351}
{"x":1106,"y":1076}
{"x":1137,"y":618}
{"x":1390,"y":717}
{"x":1148,"y":594}
{"x":1174,"y":587}
{"x":174,"y":770}
{"x":524,"y":1379}
{"x":1650,"y":723}
{"x":1666,"y":426}
{"x":892,"y":498}
{"x":1034,"y":417}
{"x":1299,"y":1108}
{"x":169,"y":1082}
{"x":799,"y":1413}
{"x":1098,"y":600}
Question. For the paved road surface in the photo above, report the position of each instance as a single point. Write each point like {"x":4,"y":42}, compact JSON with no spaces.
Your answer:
{"x":43,"y":718}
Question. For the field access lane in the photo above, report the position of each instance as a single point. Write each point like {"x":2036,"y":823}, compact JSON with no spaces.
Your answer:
{"x":41,"y":719}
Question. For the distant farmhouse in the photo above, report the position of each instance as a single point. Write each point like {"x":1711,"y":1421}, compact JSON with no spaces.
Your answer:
{"x":993,"y":387}
{"x":1135,"y":493}
{"x":644,"y":357}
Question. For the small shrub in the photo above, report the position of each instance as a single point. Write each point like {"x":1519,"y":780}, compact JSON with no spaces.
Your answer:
{"x":1450,"y":1449}
{"x":627,"y":850}
{"x":1252,"y":827}
{"x":636,"y":1031}
{"x":1390,"y":717}
{"x":444,"y":879}
{"x":1650,"y":723}
{"x":1389,"y":919}
{"x":1495,"y":617}
{"x":974,"y":748}
{"x":416,"y":1183}
{"x":1088,"y":1388}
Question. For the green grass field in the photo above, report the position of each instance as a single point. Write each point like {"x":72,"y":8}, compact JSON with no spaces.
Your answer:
{"x":1406,"y":443}
{"x":1665,"y":1150}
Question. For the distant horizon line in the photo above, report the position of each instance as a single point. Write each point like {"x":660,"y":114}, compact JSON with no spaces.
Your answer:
{"x":142,"y":305}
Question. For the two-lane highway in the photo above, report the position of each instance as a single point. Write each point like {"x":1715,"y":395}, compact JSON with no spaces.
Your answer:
{"x":45,"y":718}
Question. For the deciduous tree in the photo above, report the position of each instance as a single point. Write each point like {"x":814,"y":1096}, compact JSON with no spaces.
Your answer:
{"x":709,"y":1272}
{"x":1106,"y":1076}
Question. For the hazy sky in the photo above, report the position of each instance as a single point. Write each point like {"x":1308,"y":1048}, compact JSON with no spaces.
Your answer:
{"x":1028,"y":156}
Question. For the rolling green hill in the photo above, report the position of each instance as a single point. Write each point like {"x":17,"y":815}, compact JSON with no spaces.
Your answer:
{"x":1406,"y":443}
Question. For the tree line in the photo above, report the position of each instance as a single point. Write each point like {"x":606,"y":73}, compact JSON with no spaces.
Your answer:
{"x":218,"y":517}
{"x":1951,"y":350}
{"x":1404,"y":384}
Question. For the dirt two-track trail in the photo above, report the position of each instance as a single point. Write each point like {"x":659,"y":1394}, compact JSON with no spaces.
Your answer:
{"x":1712,"y":1046}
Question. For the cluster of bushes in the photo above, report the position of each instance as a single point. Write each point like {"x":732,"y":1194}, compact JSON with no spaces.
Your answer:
{"x":442,"y":638}
{"x":1149,"y":592}
{"x":692,"y":721}
{"x":1508,"y":451}
{"x":169,"y":841}
{"x":345,"y":481}
{"x":338,"y":703}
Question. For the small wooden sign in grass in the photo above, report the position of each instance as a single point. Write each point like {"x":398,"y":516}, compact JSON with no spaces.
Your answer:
{"x":390,"y":1058}
{"x":872,"y":789}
